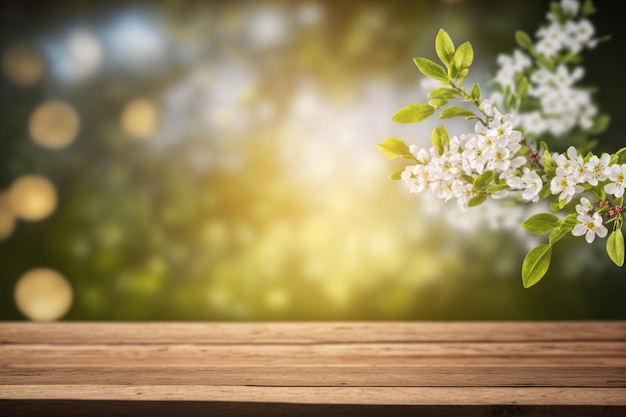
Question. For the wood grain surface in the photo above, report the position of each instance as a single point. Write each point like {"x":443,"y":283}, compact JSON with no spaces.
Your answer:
{"x":570,"y":368}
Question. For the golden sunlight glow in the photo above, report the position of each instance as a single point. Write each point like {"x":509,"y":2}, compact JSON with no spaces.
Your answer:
{"x":32,"y":197}
{"x":7,"y":218}
{"x":23,"y":64}
{"x":54,"y":124}
{"x":277,"y":298}
{"x":43,"y":294}
{"x":139,"y":119}
{"x":219,"y":162}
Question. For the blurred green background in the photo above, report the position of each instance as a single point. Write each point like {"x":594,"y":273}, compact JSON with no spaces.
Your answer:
{"x":205,"y":160}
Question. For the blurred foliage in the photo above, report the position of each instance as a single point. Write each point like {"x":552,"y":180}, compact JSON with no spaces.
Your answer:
{"x":246,"y":184}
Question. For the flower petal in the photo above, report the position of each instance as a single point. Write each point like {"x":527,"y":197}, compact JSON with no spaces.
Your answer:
{"x":579,"y":230}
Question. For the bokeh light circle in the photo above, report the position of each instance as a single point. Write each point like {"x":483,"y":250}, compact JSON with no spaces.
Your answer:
{"x":139,"y":119}
{"x":32,"y":197}
{"x":23,"y":64}
{"x":7,"y":218}
{"x":43,"y":294}
{"x":84,"y":52}
{"x":54,"y":124}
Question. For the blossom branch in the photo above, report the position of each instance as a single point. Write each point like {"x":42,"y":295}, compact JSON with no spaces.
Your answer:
{"x":498,"y":160}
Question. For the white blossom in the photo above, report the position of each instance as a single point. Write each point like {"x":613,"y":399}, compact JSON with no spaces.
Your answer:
{"x":584,"y":207}
{"x":617,"y":176}
{"x":487,"y":107}
{"x":530,"y":182}
{"x":421,"y":154}
{"x":570,"y":163}
{"x":541,"y":77}
{"x":564,"y":185}
{"x":533,"y":123}
{"x":551,"y":39}
{"x":464,"y":192}
{"x":563,"y":79}
{"x":580,"y":35}
{"x":474,"y":156}
{"x":590,"y":226}
{"x":596,"y":169}
{"x":415,"y":177}
{"x":570,"y":6}
{"x":514,"y":63}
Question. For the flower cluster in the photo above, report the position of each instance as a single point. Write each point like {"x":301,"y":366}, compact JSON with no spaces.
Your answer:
{"x":503,"y":157}
{"x":572,"y":172}
{"x":568,"y":30}
{"x":492,"y":148}
{"x":547,"y":73}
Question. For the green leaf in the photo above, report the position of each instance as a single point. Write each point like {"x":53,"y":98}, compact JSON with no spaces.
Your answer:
{"x":570,"y":221}
{"x":541,"y":223}
{"x":413,"y":113}
{"x":396,"y":175}
{"x":437,"y":102}
{"x":535,"y":265}
{"x":523,"y":40}
{"x":431,"y":69}
{"x":440,"y":139}
{"x":477,"y":200}
{"x":455,"y":111}
{"x":615,"y":247}
{"x":600,"y":124}
{"x":618,"y":157}
{"x":460,"y":75}
{"x":523,"y":87}
{"x":443,"y":93}
{"x":483,"y":179}
{"x":476,"y":93}
{"x":571,"y":58}
{"x":588,"y":145}
{"x":560,"y":232}
{"x":555,"y":9}
{"x":394,"y":147}
{"x":444,"y":47}
{"x":466,"y":178}
{"x":464,"y":56}
{"x":548,"y":163}
{"x":588,"y":8}
{"x":496,"y":188}
{"x":509,"y":98}
{"x":544,"y":62}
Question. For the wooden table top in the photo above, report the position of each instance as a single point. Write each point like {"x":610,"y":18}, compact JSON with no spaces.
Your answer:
{"x":569,"y":368}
